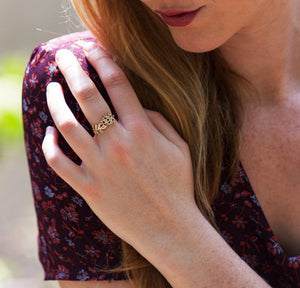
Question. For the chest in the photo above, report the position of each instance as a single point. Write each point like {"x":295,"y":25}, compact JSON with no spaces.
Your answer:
{"x":270,"y":154}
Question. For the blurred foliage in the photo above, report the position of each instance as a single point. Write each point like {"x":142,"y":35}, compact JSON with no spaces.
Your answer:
{"x":12,"y":64}
{"x":12,"y":68}
{"x":10,"y":127}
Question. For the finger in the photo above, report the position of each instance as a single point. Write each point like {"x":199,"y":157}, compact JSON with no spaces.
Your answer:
{"x":61,"y":164}
{"x":119,"y":89}
{"x":165,"y":128}
{"x":82,"y":87}
{"x":76,"y":136}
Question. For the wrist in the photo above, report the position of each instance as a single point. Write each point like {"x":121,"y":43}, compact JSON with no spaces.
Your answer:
{"x":179,"y":257}
{"x":195,"y":255}
{"x":171,"y":250}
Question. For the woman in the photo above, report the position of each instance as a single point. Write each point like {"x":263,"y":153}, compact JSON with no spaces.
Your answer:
{"x":225,"y":76}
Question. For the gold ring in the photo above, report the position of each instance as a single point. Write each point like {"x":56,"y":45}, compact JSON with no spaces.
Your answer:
{"x":106,"y":121}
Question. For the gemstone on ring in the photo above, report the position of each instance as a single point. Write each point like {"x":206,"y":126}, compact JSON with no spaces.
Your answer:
{"x":106,"y":121}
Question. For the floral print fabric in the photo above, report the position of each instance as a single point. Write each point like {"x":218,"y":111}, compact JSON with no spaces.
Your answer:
{"x":245,"y":228}
{"x":73,"y":243}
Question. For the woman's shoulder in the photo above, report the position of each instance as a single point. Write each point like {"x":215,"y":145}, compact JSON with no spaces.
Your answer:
{"x":44,"y":53}
{"x":42,"y":67}
{"x":74,"y":42}
{"x":66,"y":41}
{"x":41,"y":70}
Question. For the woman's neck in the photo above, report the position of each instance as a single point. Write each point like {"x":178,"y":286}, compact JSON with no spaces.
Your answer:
{"x":267,"y":53}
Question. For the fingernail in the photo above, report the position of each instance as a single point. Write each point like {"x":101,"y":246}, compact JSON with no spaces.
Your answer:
{"x":49,"y":130}
{"x":52,"y":85}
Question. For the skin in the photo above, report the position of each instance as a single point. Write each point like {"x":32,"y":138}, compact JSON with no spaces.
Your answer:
{"x":245,"y":31}
{"x":143,"y":213}
{"x":216,"y":23}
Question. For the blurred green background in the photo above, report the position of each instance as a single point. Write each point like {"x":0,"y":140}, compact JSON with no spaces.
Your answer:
{"x":23,"y":25}
{"x":11,"y":72}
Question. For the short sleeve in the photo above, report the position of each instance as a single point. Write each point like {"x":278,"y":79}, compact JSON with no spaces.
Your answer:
{"x":73,"y":243}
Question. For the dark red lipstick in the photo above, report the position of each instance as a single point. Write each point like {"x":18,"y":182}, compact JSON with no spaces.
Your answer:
{"x":178,"y":18}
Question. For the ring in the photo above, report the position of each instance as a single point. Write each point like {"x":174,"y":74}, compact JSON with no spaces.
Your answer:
{"x":106,"y":121}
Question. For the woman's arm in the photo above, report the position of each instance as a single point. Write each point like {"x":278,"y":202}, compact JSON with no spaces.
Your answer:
{"x":137,"y":177}
{"x":197,"y":256}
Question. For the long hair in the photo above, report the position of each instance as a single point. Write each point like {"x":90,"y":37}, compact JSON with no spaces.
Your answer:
{"x":193,"y":91}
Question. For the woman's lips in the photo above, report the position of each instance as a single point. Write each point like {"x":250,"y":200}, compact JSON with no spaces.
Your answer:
{"x":178,"y":18}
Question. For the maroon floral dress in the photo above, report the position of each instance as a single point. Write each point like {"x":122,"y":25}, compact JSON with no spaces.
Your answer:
{"x":73,"y":243}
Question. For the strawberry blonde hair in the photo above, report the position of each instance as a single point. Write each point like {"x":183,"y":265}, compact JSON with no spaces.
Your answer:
{"x":193,"y":91}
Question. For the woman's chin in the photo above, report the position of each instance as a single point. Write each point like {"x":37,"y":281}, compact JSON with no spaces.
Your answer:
{"x":190,"y":46}
{"x":196,"y":45}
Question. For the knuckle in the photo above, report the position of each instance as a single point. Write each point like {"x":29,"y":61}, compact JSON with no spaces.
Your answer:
{"x":119,"y":150}
{"x":52,"y":160}
{"x":67,"y":67}
{"x":120,"y":153}
{"x":185,"y":146}
{"x":85,"y":92}
{"x":141,"y":130}
{"x":114,"y":78}
{"x":66,"y":127}
{"x":51,"y":157}
{"x":98,"y":56}
{"x":156,"y":115}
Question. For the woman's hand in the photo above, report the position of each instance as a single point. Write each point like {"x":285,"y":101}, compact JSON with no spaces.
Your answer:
{"x":137,"y":177}
{"x":137,"y":174}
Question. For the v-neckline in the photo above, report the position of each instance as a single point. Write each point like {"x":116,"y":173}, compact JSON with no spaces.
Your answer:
{"x":269,"y":228}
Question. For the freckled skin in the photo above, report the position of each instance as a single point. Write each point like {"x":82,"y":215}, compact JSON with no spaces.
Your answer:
{"x":270,"y":155}
{"x":244,"y":31}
